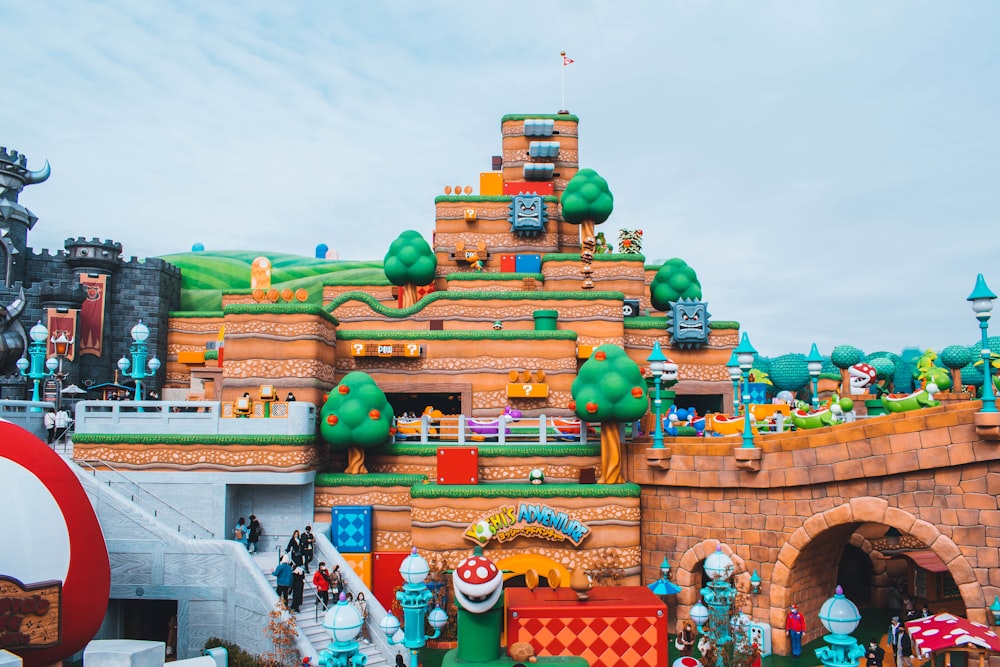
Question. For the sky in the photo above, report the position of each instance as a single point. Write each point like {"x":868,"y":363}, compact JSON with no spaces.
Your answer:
{"x":829,"y":168}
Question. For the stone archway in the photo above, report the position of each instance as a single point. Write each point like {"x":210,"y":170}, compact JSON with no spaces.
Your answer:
{"x":689,"y":581}
{"x":805,"y":571}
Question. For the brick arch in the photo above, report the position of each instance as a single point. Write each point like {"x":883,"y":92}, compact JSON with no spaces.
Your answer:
{"x":844,"y":519}
{"x":689,"y":583}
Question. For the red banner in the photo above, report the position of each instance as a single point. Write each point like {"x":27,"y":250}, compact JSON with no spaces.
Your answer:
{"x":91,"y":335}
{"x":62,"y":324}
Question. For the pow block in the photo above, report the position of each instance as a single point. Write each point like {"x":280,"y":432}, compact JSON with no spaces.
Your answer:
{"x":351,"y":528}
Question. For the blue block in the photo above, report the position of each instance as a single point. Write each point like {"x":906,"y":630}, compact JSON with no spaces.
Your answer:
{"x":528,"y":264}
{"x":351,"y":528}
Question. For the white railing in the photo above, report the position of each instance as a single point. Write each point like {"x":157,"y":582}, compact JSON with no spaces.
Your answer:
{"x":187,"y":417}
{"x":463,"y":430}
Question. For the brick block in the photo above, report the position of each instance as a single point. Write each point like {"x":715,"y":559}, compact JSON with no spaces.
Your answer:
{"x":457,"y":465}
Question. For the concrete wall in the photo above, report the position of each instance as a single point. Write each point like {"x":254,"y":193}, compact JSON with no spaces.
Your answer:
{"x":187,"y":417}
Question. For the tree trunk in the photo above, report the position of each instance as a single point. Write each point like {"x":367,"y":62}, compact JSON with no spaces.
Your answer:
{"x":611,"y":453}
{"x":588,"y":241}
{"x":845,"y":383}
{"x":355,"y":461}
{"x":409,"y":295}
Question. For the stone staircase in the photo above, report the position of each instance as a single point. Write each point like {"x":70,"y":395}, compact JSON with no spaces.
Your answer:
{"x":309,"y":619}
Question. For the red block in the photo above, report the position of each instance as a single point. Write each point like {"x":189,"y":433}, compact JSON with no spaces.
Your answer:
{"x":528,"y":187}
{"x":385,"y":575}
{"x":625,"y":625}
{"x":458,"y":465}
{"x":508,"y":263}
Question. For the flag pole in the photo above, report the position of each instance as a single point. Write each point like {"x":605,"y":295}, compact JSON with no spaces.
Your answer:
{"x":562,"y":66}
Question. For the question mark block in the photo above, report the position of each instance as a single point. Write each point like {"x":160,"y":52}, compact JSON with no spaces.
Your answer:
{"x":527,"y":390}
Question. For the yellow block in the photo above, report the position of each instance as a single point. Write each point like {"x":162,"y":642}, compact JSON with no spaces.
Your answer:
{"x":362,"y":566}
{"x":196,"y":357}
{"x":528,"y":390}
{"x":490,"y":183}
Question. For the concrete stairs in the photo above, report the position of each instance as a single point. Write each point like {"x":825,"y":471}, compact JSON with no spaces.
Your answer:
{"x":309,"y":619}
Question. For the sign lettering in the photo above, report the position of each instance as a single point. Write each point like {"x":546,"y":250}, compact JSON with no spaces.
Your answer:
{"x":527,"y":520}
{"x":29,"y":615}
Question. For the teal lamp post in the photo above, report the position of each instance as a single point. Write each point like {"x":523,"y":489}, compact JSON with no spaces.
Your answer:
{"x":982,"y":305}
{"x":138,"y":365}
{"x":657,"y":360}
{"x":38,"y":368}
{"x":744,"y":356}
{"x":733,"y":366}
{"x":814,"y":363}
{"x":414,"y":599}
{"x":995,"y":609}
{"x":718,"y":598}
{"x":663,"y":585}
{"x":840,"y":617}
{"x":343,"y":622}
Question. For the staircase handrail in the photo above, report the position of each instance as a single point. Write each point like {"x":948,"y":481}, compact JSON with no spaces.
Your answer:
{"x":354,"y":584}
{"x":206,"y":533}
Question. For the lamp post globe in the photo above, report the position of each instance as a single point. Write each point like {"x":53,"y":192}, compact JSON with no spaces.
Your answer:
{"x":343,"y":622}
{"x":699,"y":614}
{"x":840,"y":617}
{"x":982,"y":299}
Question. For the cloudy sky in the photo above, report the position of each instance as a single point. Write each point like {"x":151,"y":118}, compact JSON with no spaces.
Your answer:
{"x":829,"y":168}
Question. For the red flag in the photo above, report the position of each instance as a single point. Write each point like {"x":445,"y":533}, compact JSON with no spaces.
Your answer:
{"x":567,"y":60}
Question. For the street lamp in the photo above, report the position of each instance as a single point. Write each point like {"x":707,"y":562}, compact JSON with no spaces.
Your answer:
{"x":840,"y":617}
{"x":38,"y":368}
{"x":140,"y":334}
{"x":414,"y":599}
{"x":982,"y":305}
{"x":343,"y":622}
{"x":733,"y":366}
{"x":814,"y":362}
{"x":995,"y":610}
{"x":60,"y":345}
{"x":744,"y":356}
{"x":718,"y":596}
{"x":755,"y":583}
{"x":663,"y":585}
{"x":657,"y":360}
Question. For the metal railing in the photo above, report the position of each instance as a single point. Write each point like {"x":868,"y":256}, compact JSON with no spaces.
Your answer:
{"x":462,"y":430}
{"x":146,"y":499}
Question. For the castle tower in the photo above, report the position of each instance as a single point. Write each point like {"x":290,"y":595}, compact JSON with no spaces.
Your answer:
{"x":15,"y":219}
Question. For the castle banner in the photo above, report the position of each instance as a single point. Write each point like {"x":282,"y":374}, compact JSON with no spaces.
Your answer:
{"x":91,"y":338}
{"x":61,"y":323}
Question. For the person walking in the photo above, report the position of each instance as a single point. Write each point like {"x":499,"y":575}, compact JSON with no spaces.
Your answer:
{"x":294,"y":549}
{"x":283,"y":576}
{"x":307,"y":543}
{"x":905,"y":649}
{"x":336,"y":581}
{"x":895,"y":627}
{"x":685,"y":640}
{"x":62,"y":425}
{"x":50,"y":424}
{"x":241,"y":533}
{"x":362,"y":606}
{"x":254,"y":531}
{"x":321,"y":580}
{"x":298,"y":583}
{"x":874,"y":655}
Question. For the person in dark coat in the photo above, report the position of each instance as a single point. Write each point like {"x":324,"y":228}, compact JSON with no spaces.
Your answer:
{"x":874,"y":655}
{"x":307,"y":542}
{"x":283,"y":575}
{"x":298,"y":583}
{"x":254,"y":530}
{"x":294,"y":549}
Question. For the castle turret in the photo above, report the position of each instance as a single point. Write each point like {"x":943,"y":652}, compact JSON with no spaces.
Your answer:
{"x":15,"y":219}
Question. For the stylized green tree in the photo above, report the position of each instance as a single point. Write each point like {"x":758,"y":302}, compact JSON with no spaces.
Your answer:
{"x":955,"y":357}
{"x":587,"y":201}
{"x":410,"y":263}
{"x":843,"y":357}
{"x":789,"y":372}
{"x":610,"y":389}
{"x":674,"y":280}
{"x":356,"y":415}
{"x":900,"y":380}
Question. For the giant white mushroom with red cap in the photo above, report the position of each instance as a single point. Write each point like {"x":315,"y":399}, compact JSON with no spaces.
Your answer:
{"x":478,"y":583}
{"x":862,"y":375}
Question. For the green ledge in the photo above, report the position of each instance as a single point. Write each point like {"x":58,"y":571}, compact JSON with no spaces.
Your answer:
{"x":182,"y":314}
{"x":484,"y":334}
{"x":607,"y":257}
{"x":368,"y":479}
{"x":543,"y":116}
{"x":356,"y":283}
{"x":512,"y":295}
{"x":445,"y":199}
{"x":187,"y":439}
{"x":507,"y":490}
{"x":279,"y":309}
{"x":485,"y":275}
{"x":556,"y":450}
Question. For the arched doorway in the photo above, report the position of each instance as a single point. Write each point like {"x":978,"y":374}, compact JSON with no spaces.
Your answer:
{"x":855,"y":575}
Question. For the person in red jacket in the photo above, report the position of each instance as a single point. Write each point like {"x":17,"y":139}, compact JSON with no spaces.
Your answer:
{"x":321,"y":580}
{"x":795,"y":625}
